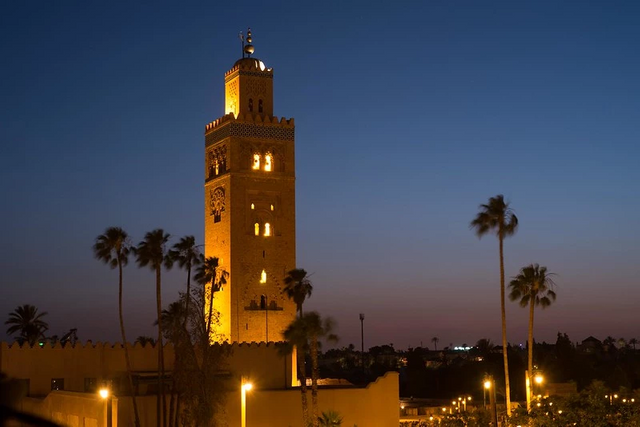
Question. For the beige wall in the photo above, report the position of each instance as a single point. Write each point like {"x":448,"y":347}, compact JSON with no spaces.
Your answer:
{"x":39,"y":365}
{"x":375,"y":405}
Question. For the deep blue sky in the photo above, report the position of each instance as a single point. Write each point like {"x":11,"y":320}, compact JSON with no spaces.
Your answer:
{"x":408,"y":115}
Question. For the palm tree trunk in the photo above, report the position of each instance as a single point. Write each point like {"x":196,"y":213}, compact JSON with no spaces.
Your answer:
{"x":314,"y":380}
{"x":161,"y":408}
{"x":210,"y":315}
{"x":186,"y":305}
{"x":136,"y":417}
{"x":530,"y":362}
{"x":171,"y":403}
{"x":505,"y":356}
{"x":303,"y":387}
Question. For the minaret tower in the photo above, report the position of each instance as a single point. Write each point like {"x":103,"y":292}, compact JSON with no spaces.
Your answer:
{"x":249,"y":194}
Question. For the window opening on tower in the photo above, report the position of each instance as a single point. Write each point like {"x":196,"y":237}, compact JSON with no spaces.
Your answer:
{"x":260,"y":106}
{"x":267,"y":229}
{"x":251,"y":105}
{"x":256,"y":161}
{"x":263,"y":302}
{"x":256,"y":227}
{"x":263,"y":277}
{"x":268,"y":159}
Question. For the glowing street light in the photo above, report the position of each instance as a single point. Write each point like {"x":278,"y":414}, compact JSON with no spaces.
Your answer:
{"x":243,"y":402}
{"x":539,"y":379}
{"x":487,"y":386}
{"x":104,"y":393}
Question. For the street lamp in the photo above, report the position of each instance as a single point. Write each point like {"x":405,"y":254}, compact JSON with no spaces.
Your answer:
{"x":104,"y":394}
{"x":243,"y":402}
{"x":487,"y":386}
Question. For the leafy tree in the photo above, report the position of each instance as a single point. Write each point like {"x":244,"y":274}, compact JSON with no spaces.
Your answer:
{"x":497,"y":217}
{"x":297,"y":287}
{"x":212,"y":278}
{"x":532,"y":287}
{"x":152,"y":252}
{"x":26,"y":320}
{"x":187,"y":255}
{"x":113,"y":248}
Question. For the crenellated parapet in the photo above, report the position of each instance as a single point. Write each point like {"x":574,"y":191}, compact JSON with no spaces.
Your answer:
{"x":250,"y":67}
{"x":250,"y":126}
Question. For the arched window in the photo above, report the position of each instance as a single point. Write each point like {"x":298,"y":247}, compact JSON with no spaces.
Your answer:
{"x":253,"y":206}
{"x":256,"y":226}
{"x":260,"y":106}
{"x":268,"y":160}
{"x":251,"y":105}
{"x":263,"y":302}
{"x":267,"y":229}
{"x":256,"y":161}
{"x":263,"y":277}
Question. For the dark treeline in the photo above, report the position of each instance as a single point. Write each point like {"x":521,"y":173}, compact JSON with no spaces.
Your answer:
{"x":446,"y":373}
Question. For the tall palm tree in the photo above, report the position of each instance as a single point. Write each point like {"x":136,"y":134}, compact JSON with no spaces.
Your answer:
{"x":317,"y":328}
{"x":113,"y":248}
{"x":296,"y":337}
{"x":435,"y":341}
{"x":26,"y":320}
{"x":532,"y":287}
{"x":211,"y":276}
{"x":497,"y":217}
{"x":173,"y":328}
{"x":152,"y":252}
{"x":298,"y":287}
{"x":633,"y":342}
{"x":187,"y":255}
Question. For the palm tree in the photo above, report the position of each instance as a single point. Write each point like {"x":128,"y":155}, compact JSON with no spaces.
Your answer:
{"x":497,"y":217}
{"x":26,"y":320}
{"x":633,"y":342}
{"x":330,"y":419}
{"x":113,"y":248}
{"x":296,"y":337}
{"x":298,"y":287}
{"x":317,"y":328}
{"x":144,"y":340}
{"x":151,"y":252}
{"x":532,"y":287}
{"x":173,"y":328}
{"x":187,"y":255}
{"x":209,"y":274}
{"x":435,"y":341}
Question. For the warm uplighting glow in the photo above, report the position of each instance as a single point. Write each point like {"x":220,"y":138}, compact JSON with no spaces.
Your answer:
{"x":104,"y":393}
{"x":402,"y":406}
{"x":267,"y":162}
{"x":538,"y":379}
{"x":487,"y":384}
{"x":267,"y":229}
{"x":469,"y":398}
{"x":263,"y":277}
{"x":256,"y":161}
{"x":560,"y":411}
{"x":257,"y":229}
{"x":247,"y":386}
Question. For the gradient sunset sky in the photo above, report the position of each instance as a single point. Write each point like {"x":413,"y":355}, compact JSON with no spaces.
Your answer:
{"x":408,"y":116}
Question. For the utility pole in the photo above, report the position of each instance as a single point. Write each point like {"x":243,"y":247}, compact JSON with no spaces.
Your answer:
{"x":362,"y":340}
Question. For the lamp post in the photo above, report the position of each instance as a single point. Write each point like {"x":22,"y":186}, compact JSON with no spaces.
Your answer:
{"x":104,"y":395}
{"x":362,"y":340}
{"x":487,"y":386}
{"x":244,"y":388}
{"x":491,"y":386}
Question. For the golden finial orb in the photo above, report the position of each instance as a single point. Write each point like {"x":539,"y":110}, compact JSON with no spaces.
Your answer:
{"x":248,"y":48}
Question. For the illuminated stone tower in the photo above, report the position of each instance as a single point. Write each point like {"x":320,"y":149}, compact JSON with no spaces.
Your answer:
{"x":250,"y":205}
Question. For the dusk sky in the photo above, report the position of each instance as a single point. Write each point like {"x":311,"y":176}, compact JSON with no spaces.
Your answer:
{"x":408,"y":116}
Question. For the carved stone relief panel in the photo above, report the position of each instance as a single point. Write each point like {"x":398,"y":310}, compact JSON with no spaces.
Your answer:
{"x":217,"y":203}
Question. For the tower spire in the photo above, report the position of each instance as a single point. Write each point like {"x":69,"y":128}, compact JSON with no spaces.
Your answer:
{"x":248,"y":48}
